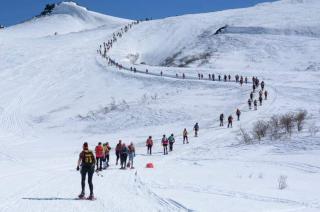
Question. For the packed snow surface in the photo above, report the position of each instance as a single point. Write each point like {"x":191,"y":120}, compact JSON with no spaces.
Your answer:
{"x":57,"y":92}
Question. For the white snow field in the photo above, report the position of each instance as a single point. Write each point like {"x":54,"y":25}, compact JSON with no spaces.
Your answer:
{"x":57,"y":92}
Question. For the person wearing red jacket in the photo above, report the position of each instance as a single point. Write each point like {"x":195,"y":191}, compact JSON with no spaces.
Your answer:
{"x":165,"y":143}
{"x":149,"y":144}
{"x":99,"y":156}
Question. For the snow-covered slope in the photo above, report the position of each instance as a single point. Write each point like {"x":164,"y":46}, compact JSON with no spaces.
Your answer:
{"x":66,"y":17}
{"x":57,"y":92}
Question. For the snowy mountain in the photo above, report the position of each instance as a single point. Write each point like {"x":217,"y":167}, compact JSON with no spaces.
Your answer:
{"x":57,"y":92}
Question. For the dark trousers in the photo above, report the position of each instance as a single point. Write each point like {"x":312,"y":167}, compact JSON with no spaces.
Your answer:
{"x":107,"y":159}
{"x":99,"y":163}
{"x":170,"y":146}
{"x":238,"y":117}
{"x":165,"y":149}
{"x":229,"y":124}
{"x":123,"y":160}
{"x":118,"y":156}
{"x":149,"y":151}
{"x":185,"y":138}
{"x":84,"y":171}
{"x":221,"y":123}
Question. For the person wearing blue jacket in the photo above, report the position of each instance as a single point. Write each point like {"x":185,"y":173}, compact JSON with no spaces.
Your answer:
{"x":171,"y":141}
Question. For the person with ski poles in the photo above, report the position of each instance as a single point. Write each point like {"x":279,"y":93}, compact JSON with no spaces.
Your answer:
{"x":87,"y":163}
{"x":221,"y":118}
{"x":118,"y":150}
{"x":165,"y":142}
{"x":171,"y":141}
{"x":149,"y":144}
{"x":132,"y":154}
{"x":185,"y":136}
{"x":238,"y":113}
{"x":123,"y":156}
{"x":196,"y":129}
{"x":99,"y":156}
{"x":230,"y":119}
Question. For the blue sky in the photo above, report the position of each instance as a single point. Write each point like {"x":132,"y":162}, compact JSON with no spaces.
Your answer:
{"x":16,"y":11}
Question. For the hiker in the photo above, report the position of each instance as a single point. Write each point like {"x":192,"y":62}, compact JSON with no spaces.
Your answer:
{"x":219,"y":77}
{"x":254,"y":88}
{"x":262,"y":85}
{"x":229,"y":76}
{"x":265,"y":95}
{"x":123,"y":156}
{"x":225,"y":78}
{"x":196,"y":129}
{"x":149,"y":144}
{"x":260,"y":100}
{"x":221,"y":119}
{"x":171,"y":141}
{"x":107,"y":149}
{"x":185,"y":136}
{"x":246,"y":80}
{"x":164,"y":143}
{"x":86,"y":162}
{"x":209,"y":76}
{"x":230,"y":119}
{"x":99,"y":156}
{"x":118,"y":150}
{"x":255,"y":104}
{"x":199,"y":76}
{"x":161,"y":73}
{"x":251,"y":96}
{"x":213,"y":77}
{"x":183,"y":76}
{"x":132,"y":154}
{"x":249,"y":103}
{"x":238,"y":113}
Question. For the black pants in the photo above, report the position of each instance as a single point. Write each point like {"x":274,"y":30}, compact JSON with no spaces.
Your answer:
{"x":149,"y":149}
{"x":123,"y":160}
{"x":84,"y":171}
{"x":221,"y":123}
{"x":185,"y":138}
{"x":196,"y":133}
{"x":99,"y":163}
{"x":170,"y":146}
{"x":118,"y":156}
{"x":229,"y":124}
{"x":238,"y":117}
{"x":165,"y":149}
{"x":107,"y":159}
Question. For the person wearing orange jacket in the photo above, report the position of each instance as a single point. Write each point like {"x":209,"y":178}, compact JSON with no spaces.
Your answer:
{"x":99,"y":156}
{"x":149,"y":144}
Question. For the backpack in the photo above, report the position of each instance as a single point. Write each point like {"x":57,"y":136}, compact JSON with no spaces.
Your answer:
{"x":87,"y":158}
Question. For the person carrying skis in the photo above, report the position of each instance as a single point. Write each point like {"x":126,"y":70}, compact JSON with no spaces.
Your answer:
{"x":171,"y":141}
{"x":238,"y":114}
{"x":255,"y":104}
{"x":118,"y":150}
{"x":249,"y":103}
{"x":99,"y":156}
{"x":165,"y":142}
{"x":87,"y":163}
{"x":265,"y":95}
{"x":107,"y":153}
{"x":123,"y":156}
{"x":196,"y":129}
{"x":185,"y":136}
{"x":149,"y":144}
{"x":260,"y":100}
{"x":132,"y":154}
{"x":221,"y":119}
{"x":230,"y":119}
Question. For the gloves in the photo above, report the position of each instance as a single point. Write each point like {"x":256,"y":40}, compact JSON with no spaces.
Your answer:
{"x":78,"y":168}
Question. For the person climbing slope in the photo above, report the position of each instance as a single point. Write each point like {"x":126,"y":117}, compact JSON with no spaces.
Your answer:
{"x":185,"y":136}
{"x":171,"y":142}
{"x":87,"y":163}
{"x":99,"y":156}
{"x":149,"y":144}
{"x":118,"y":150}
{"x":164,"y":143}
{"x":196,"y":129}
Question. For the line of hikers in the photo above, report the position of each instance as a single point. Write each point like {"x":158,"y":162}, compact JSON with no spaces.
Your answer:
{"x":262,"y":93}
